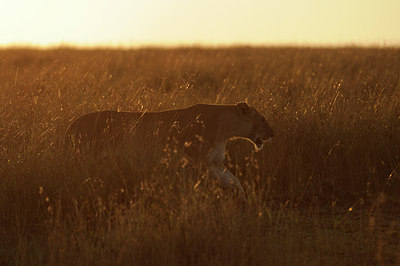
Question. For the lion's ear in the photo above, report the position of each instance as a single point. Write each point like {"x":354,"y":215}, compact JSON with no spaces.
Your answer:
{"x":243,"y":108}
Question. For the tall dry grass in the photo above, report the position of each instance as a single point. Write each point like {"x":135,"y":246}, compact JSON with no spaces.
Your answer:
{"x":324,"y":191}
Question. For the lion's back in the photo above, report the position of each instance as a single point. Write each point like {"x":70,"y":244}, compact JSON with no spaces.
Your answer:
{"x":190,"y":127}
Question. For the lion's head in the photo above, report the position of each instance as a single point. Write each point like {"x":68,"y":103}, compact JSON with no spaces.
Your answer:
{"x":260,"y":130}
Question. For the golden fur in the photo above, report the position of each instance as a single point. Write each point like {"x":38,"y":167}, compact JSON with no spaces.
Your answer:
{"x":200,"y":130}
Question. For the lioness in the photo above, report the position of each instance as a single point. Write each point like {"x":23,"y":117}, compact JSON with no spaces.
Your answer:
{"x":201,"y":131}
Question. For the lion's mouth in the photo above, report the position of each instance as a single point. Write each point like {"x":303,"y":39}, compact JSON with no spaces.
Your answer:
{"x":259,"y":143}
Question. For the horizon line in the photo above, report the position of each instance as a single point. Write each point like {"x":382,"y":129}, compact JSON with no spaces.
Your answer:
{"x":172,"y":45}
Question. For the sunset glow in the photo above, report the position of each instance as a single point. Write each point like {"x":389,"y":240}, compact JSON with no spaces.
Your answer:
{"x":177,"y":22}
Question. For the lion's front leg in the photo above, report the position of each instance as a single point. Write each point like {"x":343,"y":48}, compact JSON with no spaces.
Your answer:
{"x":220,"y":172}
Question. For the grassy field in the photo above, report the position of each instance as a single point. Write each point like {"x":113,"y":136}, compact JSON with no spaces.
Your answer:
{"x":325,"y":191}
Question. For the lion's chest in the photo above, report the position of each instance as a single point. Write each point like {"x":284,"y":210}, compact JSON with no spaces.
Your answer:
{"x":217,"y":153}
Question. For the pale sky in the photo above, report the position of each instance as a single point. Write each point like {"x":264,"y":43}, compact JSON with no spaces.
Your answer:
{"x":204,"y":22}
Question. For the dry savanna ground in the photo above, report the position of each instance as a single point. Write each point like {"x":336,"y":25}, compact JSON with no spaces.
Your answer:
{"x":325,"y":191}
